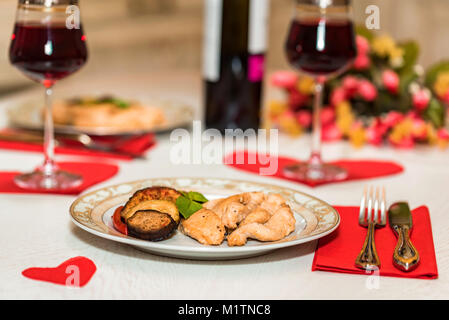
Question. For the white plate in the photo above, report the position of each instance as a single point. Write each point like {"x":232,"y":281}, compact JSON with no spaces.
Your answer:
{"x":28,"y":115}
{"x":314,"y":218}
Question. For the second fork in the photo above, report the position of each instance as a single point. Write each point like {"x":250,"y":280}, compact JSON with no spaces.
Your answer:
{"x":375,"y":207}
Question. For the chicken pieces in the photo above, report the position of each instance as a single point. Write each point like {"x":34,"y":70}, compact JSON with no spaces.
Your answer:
{"x":258,"y":215}
{"x":234,"y":209}
{"x":280,"y":225}
{"x":249,"y":215}
{"x":205,"y":226}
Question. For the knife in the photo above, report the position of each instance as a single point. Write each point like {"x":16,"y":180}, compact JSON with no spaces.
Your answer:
{"x":35,"y":137}
{"x":405,"y":256}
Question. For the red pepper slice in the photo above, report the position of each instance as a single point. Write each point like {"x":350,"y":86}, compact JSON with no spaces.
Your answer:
{"x":118,"y":224}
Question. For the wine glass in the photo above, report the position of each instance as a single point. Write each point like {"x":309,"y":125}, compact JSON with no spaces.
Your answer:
{"x":47,"y":45}
{"x":321,"y":44}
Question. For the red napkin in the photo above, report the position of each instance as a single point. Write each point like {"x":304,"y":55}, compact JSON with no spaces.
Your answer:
{"x":92,"y":173}
{"x":135,"y":145}
{"x":75,"y":272}
{"x":338,"y":251}
{"x":357,"y":169}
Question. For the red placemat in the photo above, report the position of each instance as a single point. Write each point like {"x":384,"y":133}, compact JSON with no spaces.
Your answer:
{"x":92,"y":174}
{"x":135,"y":145}
{"x":357,"y":169}
{"x":338,"y":251}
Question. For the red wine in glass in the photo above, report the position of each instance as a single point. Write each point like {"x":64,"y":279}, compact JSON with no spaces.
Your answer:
{"x":47,"y":53}
{"x":321,"y":44}
{"x":320,"y":47}
{"x":47,"y":47}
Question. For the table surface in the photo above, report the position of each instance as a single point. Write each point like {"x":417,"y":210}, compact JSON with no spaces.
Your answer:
{"x":37,"y":230}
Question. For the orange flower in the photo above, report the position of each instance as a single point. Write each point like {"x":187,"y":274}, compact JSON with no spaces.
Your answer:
{"x":345,"y":118}
{"x":432,"y":136}
{"x":276,"y":108}
{"x":289,"y":124}
{"x":401,"y":135}
{"x":441,"y":85}
{"x":443,"y":138}
{"x":357,"y":135}
{"x":306,"y":85}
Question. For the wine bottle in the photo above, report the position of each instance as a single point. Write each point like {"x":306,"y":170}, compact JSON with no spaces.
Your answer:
{"x":234,"y":53}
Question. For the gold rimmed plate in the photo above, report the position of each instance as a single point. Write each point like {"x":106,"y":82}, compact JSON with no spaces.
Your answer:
{"x":93,"y":212}
{"x":28,"y":115}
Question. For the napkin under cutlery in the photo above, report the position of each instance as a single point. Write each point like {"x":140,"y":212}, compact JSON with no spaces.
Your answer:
{"x":336,"y":252}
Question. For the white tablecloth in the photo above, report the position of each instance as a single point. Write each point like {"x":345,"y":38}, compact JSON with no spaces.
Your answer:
{"x":37,"y":231}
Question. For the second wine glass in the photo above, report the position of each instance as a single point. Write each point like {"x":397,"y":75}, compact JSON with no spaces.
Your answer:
{"x":47,"y":45}
{"x":321,"y":44}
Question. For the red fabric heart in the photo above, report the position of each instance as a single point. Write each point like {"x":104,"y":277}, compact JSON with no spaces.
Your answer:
{"x":92,"y":173}
{"x":75,"y":272}
{"x":357,"y":169}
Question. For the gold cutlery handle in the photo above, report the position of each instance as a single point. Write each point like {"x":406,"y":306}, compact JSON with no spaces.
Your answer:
{"x":19,"y":137}
{"x":405,"y":256}
{"x":368,"y":258}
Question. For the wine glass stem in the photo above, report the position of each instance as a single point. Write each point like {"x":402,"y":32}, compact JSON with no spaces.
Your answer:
{"x":49,"y":139}
{"x":315,"y":157}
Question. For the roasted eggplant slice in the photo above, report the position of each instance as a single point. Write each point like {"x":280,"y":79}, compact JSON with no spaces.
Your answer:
{"x":151,"y":193}
{"x":163,"y":206}
{"x":151,"y":225}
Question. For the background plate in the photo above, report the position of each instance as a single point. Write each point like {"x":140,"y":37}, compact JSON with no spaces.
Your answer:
{"x":27,"y":115}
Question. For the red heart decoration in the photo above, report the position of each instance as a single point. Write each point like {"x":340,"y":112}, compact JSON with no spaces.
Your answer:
{"x":357,"y":169}
{"x":75,"y":272}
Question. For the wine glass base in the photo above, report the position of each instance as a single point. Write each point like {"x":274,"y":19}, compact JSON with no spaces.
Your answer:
{"x":58,"y":180}
{"x":315,"y":172}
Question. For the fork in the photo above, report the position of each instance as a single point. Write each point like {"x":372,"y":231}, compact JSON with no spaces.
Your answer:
{"x":374,"y":203}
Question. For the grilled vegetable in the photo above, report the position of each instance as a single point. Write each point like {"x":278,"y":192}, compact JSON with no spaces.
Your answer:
{"x":118,"y":224}
{"x":163,"y":206}
{"x":151,"y":193}
{"x":151,"y":225}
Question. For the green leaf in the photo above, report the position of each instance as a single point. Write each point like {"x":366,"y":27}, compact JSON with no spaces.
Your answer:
{"x":406,"y":76}
{"x":364,"y":32}
{"x":196,"y":196}
{"x":187,"y":207}
{"x":435,"y":112}
{"x":434,"y":70}
{"x":183,"y":203}
{"x":122,"y":104}
{"x":119,"y":103}
{"x":411,"y":53}
{"x":185,"y":194}
{"x":193,"y":207}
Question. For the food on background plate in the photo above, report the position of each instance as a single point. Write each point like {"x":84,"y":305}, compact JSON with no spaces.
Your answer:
{"x":154,"y":213}
{"x":107,"y":111}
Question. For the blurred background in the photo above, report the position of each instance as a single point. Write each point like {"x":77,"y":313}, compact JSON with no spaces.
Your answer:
{"x":126,"y":36}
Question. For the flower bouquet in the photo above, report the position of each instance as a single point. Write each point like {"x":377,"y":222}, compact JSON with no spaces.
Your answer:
{"x":384,"y":98}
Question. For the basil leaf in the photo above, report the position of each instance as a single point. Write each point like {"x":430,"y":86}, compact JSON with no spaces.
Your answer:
{"x":194,"y":207}
{"x":196,"y":196}
{"x":183,"y":204}
{"x":121,"y":103}
{"x":187,"y":207}
{"x":185,"y":194}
